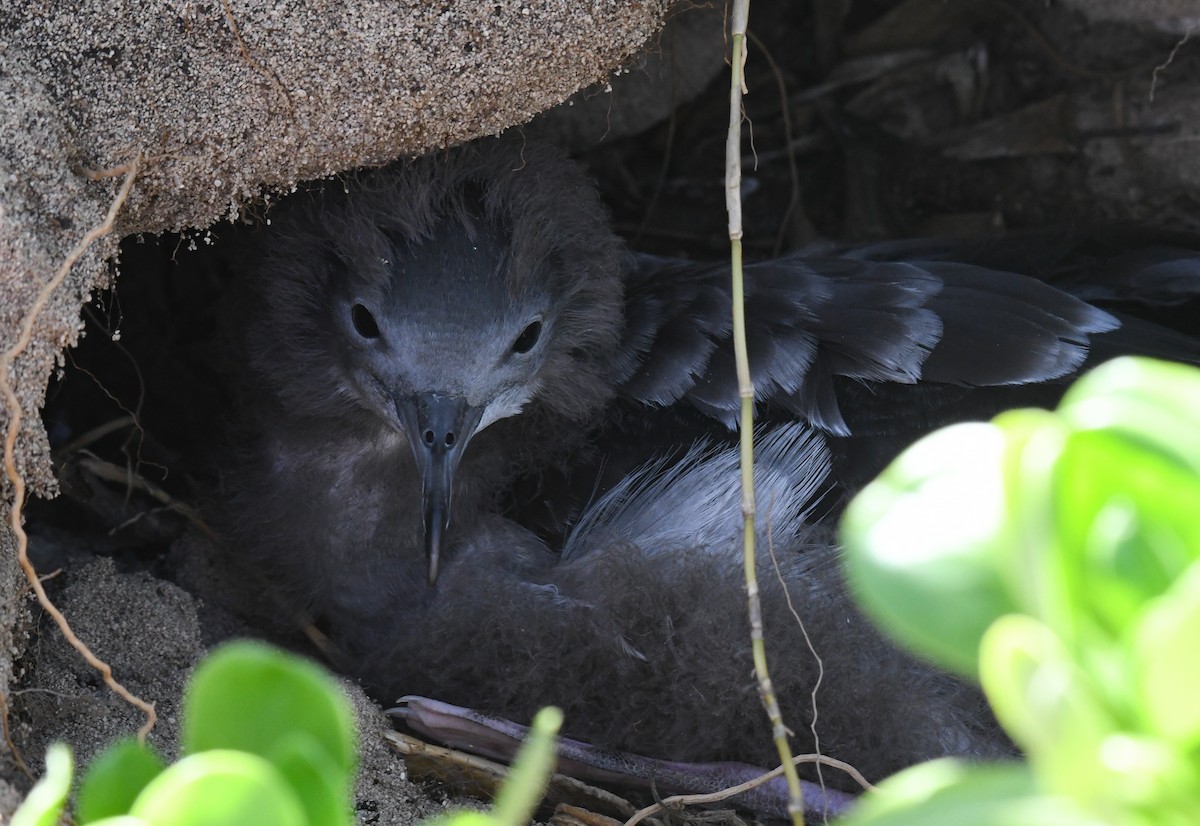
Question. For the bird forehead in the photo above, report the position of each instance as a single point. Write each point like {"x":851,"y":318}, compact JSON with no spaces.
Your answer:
{"x":459,"y":252}
{"x":461,"y":279}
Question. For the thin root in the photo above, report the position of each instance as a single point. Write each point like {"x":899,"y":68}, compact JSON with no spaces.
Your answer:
{"x":725,"y":794}
{"x":12,"y":747}
{"x":13,"y":405}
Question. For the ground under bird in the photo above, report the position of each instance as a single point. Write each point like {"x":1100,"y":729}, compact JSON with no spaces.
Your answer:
{"x":453,"y":363}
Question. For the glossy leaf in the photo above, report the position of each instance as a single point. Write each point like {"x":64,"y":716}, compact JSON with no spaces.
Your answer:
{"x":1026,"y":546}
{"x":926,"y":535}
{"x":526,"y":783}
{"x":219,"y":788}
{"x":1047,"y":703}
{"x":952,"y":793}
{"x":115,"y":779}
{"x":249,"y":696}
{"x":1127,"y":525}
{"x":46,"y":799}
{"x":322,"y":787}
{"x":1151,"y":402}
{"x":1168,"y":668}
{"x":1088,"y":522}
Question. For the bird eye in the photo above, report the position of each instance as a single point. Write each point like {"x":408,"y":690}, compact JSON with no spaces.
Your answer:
{"x":364,"y":322}
{"x":528,"y":338}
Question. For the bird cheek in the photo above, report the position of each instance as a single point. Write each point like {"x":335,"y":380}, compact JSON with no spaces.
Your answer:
{"x":508,"y":403}
{"x":375,"y":396}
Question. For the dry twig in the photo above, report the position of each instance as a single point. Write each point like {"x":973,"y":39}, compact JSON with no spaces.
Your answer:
{"x":739,"y":19}
{"x":725,"y":794}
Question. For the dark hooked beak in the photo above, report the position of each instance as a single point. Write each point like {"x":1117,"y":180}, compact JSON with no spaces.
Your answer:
{"x":439,"y":427}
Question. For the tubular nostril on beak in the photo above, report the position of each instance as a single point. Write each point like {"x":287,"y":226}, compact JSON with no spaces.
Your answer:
{"x":438,"y":419}
{"x":430,"y":438}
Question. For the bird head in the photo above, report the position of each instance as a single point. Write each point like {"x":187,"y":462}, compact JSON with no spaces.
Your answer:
{"x":432,"y":299}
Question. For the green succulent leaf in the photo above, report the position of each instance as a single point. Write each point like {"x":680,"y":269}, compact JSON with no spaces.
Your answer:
{"x":44,"y":804}
{"x":249,"y":696}
{"x":322,"y":786}
{"x":1066,"y":549}
{"x":115,"y":779}
{"x":1127,"y":525}
{"x":218,"y":788}
{"x":526,"y":783}
{"x":1150,"y":402}
{"x":1168,"y":671}
{"x":953,"y":793}
{"x":925,"y":535}
{"x":1047,"y":703}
